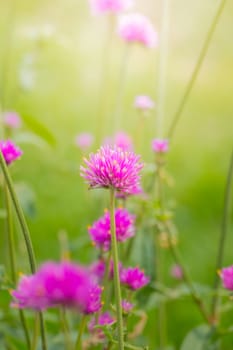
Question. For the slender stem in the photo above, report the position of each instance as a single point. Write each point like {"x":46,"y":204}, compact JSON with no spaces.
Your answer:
{"x":197,"y":67}
{"x":42,"y":332}
{"x":78,"y":344}
{"x":35,"y":333}
{"x":223,"y":234}
{"x":106,"y":278}
{"x":162,"y":69}
{"x":116,"y":276}
{"x":25,"y":328}
{"x":65,"y":328}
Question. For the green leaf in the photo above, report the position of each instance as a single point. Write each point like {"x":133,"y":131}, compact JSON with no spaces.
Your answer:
{"x":199,"y":338}
{"x":39,"y":129}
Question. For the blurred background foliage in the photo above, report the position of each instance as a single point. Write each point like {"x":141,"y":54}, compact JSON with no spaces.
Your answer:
{"x":52,"y":58}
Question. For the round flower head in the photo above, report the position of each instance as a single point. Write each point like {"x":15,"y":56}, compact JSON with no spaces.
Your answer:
{"x":137,"y":28}
{"x":160,"y":146}
{"x":133,"y":278}
{"x":126,"y":306}
{"x":100,"y":231}
{"x":111,"y":6}
{"x":111,"y":167}
{"x":226,"y":275}
{"x":177,"y":272}
{"x":12,"y":120}
{"x":123,"y":141}
{"x":144,"y":103}
{"x":10,"y":151}
{"x":94,"y":303}
{"x":104,"y":319}
{"x":97,"y":270}
{"x":84,"y":141}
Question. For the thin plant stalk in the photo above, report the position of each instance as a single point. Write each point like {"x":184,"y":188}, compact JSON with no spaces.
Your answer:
{"x":65,"y":328}
{"x":197,"y":68}
{"x":25,"y":231}
{"x":78,"y":343}
{"x":222,"y":240}
{"x":117,"y":287}
{"x":35,"y":333}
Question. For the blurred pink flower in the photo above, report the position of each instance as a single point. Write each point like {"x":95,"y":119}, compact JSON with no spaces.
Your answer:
{"x":111,"y":167}
{"x":137,"y":28}
{"x":12,"y":120}
{"x":134,"y":278}
{"x":160,"y":145}
{"x":111,"y":6}
{"x":177,"y":272}
{"x":126,"y":306}
{"x":144,"y":103}
{"x":10,"y":151}
{"x":104,"y":319}
{"x":94,"y":303}
{"x":123,"y":141}
{"x":84,"y":141}
{"x":226,"y":275}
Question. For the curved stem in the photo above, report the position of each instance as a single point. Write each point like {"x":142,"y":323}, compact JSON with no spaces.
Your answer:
{"x":120,"y":329}
{"x":224,"y":227}
{"x":78,"y":344}
{"x":197,"y":67}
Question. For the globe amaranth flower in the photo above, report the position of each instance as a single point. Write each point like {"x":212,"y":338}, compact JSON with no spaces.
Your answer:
{"x":104,"y":319}
{"x":137,"y":28}
{"x":126,"y":306}
{"x":97,"y":270}
{"x":177,"y":272}
{"x":94,"y":303}
{"x":10,"y":151}
{"x":160,"y":145}
{"x":12,"y":120}
{"x":56,"y":284}
{"x":143,"y":103}
{"x":133,"y":278}
{"x":226,"y":275}
{"x":109,"y":6}
{"x":84,"y":141}
{"x":111,"y":167}
{"x":100,"y":231}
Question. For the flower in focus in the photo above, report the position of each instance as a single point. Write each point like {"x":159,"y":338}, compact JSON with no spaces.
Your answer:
{"x":100,"y":231}
{"x":112,"y":6}
{"x":177,"y":272}
{"x":134,"y":278}
{"x":84,"y":141}
{"x":94,"y":303}
{"x":137,"y":28}
{"x":104,"y":319}
{"x":160,"y":146}
{"x":143,"y":103}
{"x":12,"y":120}
{"x":111,"y":167}
{"x":226,"y":275}
{"x":10,"y":151}
{"x":126,"y":306}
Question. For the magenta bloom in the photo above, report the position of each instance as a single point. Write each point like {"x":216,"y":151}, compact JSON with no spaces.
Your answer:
{"x":84,"y":141}
{"x":97,"y":270}
{"x":137,"y":28}
{"x":100,"y":231}
{"x":226,"y":275}
{"x":134,"y":278}
{"x":104,"y":319}
{"x":112,"y":168}
{"x":10,"y":151}
{"x":177,"y":272}
{"x":160,"y":146}
{"x":123,"y":141}
{"x":12,"y":120}
{"x":127,"y":306}
{"x":144,"y":103}
{"x":94,"y":303}
{"x":111,"y":6}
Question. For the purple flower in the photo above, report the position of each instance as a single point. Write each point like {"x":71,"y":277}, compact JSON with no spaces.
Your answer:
{"x":12,"y":120}
{"x":100,"y":231}
{"x":112,"y":167}
{"x":111,"y":6}
{"x":226,"y":275}
{"x":94,"y":303}
{"x":10,"y":151}
{"x":84,"y":141}
{"x":160,"y":145}
{"x":123,"y":141}
{"x":137,"y":28}
{"x":144,"y":103}
{"x":126,"y":306}
{"x":177,"y":272}
{"x":134,"y":278}
{"x":104,"y":319}
{"x":97,"y":270}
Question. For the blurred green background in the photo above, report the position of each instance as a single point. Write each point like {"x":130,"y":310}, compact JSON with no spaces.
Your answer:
{"x":52,"y":60}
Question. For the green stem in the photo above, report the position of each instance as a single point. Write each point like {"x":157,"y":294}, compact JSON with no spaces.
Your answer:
{"x":35,"y":333}
{"x":65,"y":328}
{"x":106,"y":278}
{"x":223,"y":234}
{"x":196,"y":68}
{"x":78,"y":344}
{"x":116,"y":276}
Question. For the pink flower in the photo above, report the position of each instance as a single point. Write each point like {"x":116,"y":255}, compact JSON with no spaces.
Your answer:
{"x":12,"y":120}
{"x":160,"y":146}
{"x":123,"y":141}
{"x":10,"y":151}
{"x":137,"y":28}
{"x":144,"y":103}
{"x":112,"y":168}
{"x":84,"y":141}
{"x":177,"y":272}
{"x":226,"y":275}
{"x":104,"y":319}
{"x":97,"y":270}
{"x":126,"y":306}
{"x":100,"y":231}
{"x":111,"y":6}
{"x":94,"y":303}
{"x":134,"y":278}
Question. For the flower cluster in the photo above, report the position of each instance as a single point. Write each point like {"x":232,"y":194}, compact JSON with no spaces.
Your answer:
{"x":10,"y":151}
{"x":58,"y":284}
{"x":100,"y":231}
